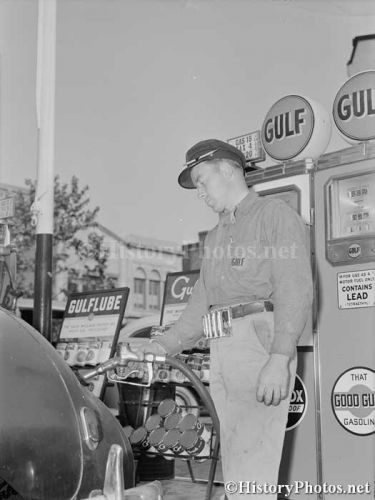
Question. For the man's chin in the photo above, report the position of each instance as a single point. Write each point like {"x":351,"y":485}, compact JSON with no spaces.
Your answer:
{"x":216,"y":209}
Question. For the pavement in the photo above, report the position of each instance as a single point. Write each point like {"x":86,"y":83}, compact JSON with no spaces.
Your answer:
{"x":182,"y":486}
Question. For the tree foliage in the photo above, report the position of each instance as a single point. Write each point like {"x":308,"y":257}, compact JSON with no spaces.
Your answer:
{"x":73,"y":219}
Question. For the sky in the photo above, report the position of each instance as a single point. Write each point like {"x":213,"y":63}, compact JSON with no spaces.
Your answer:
{"x":139,"y":82}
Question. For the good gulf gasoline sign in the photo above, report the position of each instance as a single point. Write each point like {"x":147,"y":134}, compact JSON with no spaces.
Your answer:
{"x":353,"y":400}
{"x":354,"y":107}
{"x":297,"y":405}
{"x":296,"y":128}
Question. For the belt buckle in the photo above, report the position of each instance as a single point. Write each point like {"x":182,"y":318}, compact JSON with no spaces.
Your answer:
{"x":218,"y":323}
{"x":225,"y":319}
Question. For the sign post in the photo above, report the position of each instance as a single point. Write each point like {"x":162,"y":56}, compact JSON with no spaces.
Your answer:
{"x":44,"y":196}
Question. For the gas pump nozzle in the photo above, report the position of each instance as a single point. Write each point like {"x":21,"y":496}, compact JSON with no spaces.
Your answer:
{"x":120,"y":361}
{"x":126,"y":364}
{"x":101,"y":369}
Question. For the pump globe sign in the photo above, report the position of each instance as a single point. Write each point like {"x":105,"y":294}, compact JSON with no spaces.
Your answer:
{"x":296,"y":128}
{"x":354,"y":107}
{"x":353,"y":400}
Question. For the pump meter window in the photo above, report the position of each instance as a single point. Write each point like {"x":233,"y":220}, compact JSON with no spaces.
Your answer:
{"x":351,"y":206}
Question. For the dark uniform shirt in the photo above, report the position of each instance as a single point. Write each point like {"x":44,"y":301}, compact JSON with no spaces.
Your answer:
{"x":257,"y":252}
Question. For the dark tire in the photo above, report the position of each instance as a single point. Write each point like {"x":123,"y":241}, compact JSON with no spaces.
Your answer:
{"x":186,"y":400}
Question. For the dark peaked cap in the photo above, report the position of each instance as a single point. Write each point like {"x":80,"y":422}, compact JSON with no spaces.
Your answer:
{"x":209,"y":149}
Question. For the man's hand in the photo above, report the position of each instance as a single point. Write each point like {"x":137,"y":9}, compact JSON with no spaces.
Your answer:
{"x":273,"y":380}
{"x":141,"y":349}
{"x":147,"y":347}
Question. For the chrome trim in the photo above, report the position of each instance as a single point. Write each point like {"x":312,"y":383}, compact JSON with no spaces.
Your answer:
{"x":90,"y":439}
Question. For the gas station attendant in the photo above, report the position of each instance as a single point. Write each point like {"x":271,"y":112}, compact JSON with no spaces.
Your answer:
{"x":253,"y":298}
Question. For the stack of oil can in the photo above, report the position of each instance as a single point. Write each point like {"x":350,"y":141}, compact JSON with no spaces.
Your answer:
{"x":172,"y":434}
{"x":88,"y":353}
{"x":198,"y":362}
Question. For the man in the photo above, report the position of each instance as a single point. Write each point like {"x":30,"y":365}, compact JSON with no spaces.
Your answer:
{"x":253,"y":298}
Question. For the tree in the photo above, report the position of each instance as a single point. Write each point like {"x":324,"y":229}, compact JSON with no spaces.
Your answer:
{"x":72,"y":220}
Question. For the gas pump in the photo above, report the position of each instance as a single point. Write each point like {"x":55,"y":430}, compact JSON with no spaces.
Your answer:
{"x":345,"y":255}
{"x":300,"y":431}
{"x":298,"y":129}
{"x":329,"y":444}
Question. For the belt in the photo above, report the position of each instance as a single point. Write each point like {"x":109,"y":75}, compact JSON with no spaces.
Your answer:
{"x":218,"y":321}
{"x":251,"y":308}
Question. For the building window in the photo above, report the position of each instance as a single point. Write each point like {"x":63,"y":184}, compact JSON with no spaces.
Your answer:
{"x":154,"y":291}
{"x":140,"y":289}
{"x":112,"y":282}
{"x":91,"y":280}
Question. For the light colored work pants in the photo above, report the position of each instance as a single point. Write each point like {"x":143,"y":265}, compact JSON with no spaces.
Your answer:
{"x":251,"y":433}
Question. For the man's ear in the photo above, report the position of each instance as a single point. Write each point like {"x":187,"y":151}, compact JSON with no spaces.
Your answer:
{"x":226,"y":170}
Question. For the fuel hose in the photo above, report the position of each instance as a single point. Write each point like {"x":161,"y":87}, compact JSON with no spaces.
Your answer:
{"x":199,"y":387}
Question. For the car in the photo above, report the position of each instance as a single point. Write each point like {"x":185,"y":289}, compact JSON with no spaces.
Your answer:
{"x":55,"y":436}
{"x":25,"y":310}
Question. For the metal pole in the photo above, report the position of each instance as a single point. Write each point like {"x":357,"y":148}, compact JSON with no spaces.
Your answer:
{"x":43,"y":205}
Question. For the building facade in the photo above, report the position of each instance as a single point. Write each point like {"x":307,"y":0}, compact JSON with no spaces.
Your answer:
{"x":193,"y":253}
{"x":141,"y":264}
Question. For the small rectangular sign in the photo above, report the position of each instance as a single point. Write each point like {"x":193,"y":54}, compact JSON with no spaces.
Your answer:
{"x":6,"y":208}
{"x":94,"y":314}
{"x":356,"y":289}
{"x":250,"y":145}
{"x":90,"y":330}
{"x":178,"y":288}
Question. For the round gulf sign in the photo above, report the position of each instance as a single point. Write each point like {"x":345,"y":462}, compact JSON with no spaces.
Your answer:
{"x":297,"y":405}
{"x":296,"y":128}
{"x":354,"y":250}
{"x":354,"y":107}
{"x":353,"y":400}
